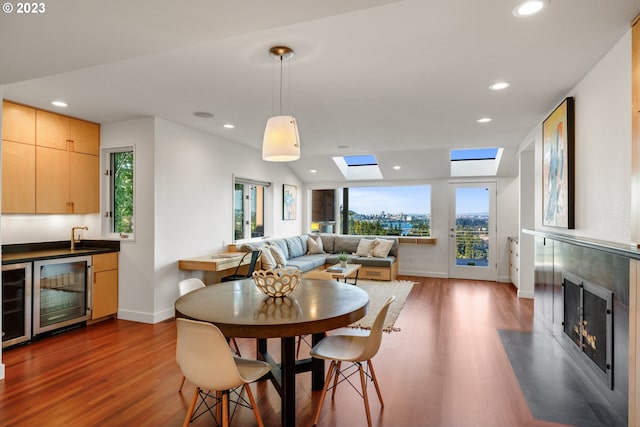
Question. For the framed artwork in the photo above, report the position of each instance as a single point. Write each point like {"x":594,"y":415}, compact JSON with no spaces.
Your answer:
{"x":289,"y":201}
{"x":558,"y":166}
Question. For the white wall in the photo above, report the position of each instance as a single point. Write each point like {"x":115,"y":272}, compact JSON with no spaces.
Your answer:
{"x":603,"y":150}
{"x":193,"y":200}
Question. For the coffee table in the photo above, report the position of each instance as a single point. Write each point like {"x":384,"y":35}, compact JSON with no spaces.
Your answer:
{"x":349,"y":270}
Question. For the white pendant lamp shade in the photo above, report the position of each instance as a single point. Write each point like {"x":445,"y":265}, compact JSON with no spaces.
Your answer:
{"x":281,"y":141}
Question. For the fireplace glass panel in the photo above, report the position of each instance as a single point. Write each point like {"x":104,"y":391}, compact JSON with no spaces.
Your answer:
{"x":594,"y":329}
{"x":572,"y":310}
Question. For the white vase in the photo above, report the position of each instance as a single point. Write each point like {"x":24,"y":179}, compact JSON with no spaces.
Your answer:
{"x":343,"y":263}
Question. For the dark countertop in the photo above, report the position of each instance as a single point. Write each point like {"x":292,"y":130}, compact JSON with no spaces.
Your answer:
{"x":25,"y":252}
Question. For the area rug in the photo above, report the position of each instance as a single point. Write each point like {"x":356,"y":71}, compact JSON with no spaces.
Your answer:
{"x":379,"y":292}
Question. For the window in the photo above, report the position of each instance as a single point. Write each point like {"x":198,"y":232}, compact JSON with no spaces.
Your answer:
{"x":120,"y":183}
{"x":390,"y":211}
{"x":249,"y":209}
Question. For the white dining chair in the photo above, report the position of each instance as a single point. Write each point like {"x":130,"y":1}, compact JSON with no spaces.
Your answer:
{"x":204,"y":358}
{"x":357,"y":349}
{"x":189,"y":285}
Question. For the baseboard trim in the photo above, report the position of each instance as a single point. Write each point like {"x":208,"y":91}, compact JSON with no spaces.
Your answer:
{"x":438,"y":275}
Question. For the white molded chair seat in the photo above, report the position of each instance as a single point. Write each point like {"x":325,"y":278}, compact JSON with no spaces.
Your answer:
{"x":204,"y":358}
{"x":189,"y":285}
{"x":356,"y":349}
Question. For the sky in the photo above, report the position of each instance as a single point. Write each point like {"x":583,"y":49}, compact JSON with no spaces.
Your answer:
{"x":412,"y":200}
{"x":394,"y":200}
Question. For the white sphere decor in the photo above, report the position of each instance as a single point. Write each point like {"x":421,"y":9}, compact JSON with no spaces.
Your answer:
{"x":278,"y":282}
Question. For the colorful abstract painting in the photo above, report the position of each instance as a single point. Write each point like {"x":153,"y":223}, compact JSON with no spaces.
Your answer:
{"x":557,"y":166}
{"x":289,"y":201}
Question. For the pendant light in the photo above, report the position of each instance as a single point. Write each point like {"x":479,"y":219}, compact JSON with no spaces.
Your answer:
{"x":281,"y":141}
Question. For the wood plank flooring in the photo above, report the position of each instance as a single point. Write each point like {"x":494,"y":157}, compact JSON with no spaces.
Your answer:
{"x":445,"y":368}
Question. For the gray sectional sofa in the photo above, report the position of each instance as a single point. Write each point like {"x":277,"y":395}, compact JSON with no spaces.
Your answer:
{"x":296,"y":251}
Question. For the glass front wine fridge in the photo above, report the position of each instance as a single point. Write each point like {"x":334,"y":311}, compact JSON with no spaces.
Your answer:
{"x":60,"y":293}
{"x":16,"y":303}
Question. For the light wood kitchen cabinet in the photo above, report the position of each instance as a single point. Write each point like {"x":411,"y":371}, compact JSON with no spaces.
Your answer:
{"x":66,"y":182}
{"x":104,"y":294}
{"x":66,"y":133}
{"x":18,"y":177}
{"x":18,"y":123}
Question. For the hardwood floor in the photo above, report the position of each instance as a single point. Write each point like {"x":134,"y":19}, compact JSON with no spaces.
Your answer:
{"x":445,"y":368}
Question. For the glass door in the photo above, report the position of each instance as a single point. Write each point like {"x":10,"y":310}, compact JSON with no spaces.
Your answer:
{"x":16,"y":303}
{"x":60,"y":292}
{"x":472,"y":231}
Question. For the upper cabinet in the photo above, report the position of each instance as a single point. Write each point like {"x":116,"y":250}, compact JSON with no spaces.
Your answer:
{"x":18,"y":123}
{"x":50,"y":162}
{"x":67,"y":133}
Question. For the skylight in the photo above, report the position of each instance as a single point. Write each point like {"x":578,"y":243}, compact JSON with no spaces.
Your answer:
{"x":358,"y":167}
{"x":475,"y":162}
{"x":363,"y":160}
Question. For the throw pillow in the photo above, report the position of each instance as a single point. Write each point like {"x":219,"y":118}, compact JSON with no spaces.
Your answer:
{"x":315,"y":246}
{"x":382,"y":248}
{"x":279,"y":257}
{"x":366,"y":247}
{"x":267,"y":259}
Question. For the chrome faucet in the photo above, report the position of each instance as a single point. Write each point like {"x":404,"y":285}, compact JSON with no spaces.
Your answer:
{"x":73,"y":238}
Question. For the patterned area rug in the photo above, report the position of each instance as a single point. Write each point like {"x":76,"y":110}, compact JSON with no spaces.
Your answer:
{"x":379,"y":292}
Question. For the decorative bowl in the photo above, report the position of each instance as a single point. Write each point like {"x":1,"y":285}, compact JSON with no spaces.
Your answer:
{"x":278,"y":282}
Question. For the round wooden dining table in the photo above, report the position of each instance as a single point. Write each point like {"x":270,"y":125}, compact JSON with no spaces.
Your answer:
{"x":239,"y":309}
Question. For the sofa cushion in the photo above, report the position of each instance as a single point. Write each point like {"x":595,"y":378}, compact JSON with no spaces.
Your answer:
{"x":315,"y":246}
{"x":381,"y":247}
{"x":306,"y":262}
{"x":346,"y":244}
{"x":366,"y":247}
{"x":267,"y":260}
{"x":328,"y":241}
{"x":281,"y":259}
{"x":294,"y":247}
{"x":282,"y":245}
{"x":375,"y":262}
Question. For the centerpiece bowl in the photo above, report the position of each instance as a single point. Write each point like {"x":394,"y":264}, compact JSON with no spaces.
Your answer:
{"x":278,"y":282}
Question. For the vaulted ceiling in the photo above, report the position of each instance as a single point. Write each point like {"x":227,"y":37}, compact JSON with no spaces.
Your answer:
{"x":403,"y":80}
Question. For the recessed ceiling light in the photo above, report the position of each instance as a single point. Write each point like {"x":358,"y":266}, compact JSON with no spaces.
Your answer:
{"x":203,"y":115}
{"x":228,"y":126}
{"x":396,"y":167}
{"x":343,"y":147}
{"x":313,"y":170}
{"x":529,"y":7}
{"x":484,"y":120}
{"x":499,"y":85}
{"x":60,"y":103}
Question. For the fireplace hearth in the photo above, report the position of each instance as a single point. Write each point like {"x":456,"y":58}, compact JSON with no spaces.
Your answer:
{"x":588,"y":323}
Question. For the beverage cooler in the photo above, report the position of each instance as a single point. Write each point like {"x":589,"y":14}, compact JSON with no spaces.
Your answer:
{"x":16,"y":303}
{"x":60,"y":293}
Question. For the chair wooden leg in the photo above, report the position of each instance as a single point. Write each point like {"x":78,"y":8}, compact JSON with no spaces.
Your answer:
{"x":375,"y":382}
{"x":363,"y":381}
{"x":225,"y":408}
{"x":335,"y":379}
{"x":254,"y":406}
{"x":219,"y":406}
{"x":235,"y":347}
{"x":192,"y":406}
{"x":181,"y":384}
{"x":332,"y":366}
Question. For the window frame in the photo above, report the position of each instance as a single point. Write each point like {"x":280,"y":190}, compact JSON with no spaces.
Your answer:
{"x":108,"y":191}
{"x":267,"y":212}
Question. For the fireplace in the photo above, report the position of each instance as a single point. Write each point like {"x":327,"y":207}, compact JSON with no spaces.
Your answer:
{"x":588,"y":323}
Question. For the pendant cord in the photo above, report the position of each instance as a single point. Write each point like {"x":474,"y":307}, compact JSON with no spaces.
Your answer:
{"x":281,"y":84}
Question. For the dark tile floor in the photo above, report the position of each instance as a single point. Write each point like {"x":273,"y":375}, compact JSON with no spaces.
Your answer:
{"x":556,"y":390}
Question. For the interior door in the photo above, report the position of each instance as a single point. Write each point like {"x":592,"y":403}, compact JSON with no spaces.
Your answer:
{"x":472,"y":231}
